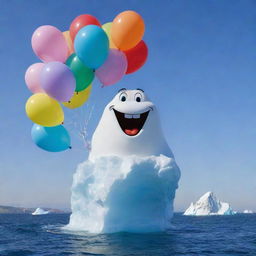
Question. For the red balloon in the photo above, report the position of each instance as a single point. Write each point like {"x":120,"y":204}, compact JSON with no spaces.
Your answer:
{"x":136,"y":57}
{"x":80,"y":22}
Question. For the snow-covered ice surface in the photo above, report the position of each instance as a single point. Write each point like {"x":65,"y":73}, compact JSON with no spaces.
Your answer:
{"x":133,"y":194}
{"x":208,"y":204}
{"x":39,"y":211}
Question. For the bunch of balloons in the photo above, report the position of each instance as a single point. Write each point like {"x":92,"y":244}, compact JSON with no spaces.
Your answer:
{"x":70,"y":62}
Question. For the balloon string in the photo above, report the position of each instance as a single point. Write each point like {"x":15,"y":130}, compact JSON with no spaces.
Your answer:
{"x":83,"y":130}
{"x":79,"y":123}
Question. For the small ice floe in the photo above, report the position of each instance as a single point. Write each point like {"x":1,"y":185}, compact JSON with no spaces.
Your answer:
{"x":247,"y":211}
{"x":39,"y":211}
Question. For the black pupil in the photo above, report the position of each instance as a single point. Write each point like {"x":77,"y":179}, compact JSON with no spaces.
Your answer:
{"x":123,"y":98}
{"x":138,"y":99}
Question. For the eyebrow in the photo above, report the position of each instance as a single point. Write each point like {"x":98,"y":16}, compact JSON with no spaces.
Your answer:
{"x":139,"y":89}
{"x":123,"y":89}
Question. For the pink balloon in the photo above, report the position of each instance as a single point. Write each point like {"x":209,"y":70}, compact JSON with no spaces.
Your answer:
{"x":113,"y":68}
{"x":49,"y":44}
{"x":32,"y":77}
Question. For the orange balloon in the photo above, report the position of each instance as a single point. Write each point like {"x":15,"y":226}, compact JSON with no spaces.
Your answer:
{"x":66,"y":34}
{"x":127,"y":30}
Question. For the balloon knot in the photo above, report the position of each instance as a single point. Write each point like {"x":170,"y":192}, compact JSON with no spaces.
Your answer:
{"x":70,"y":147}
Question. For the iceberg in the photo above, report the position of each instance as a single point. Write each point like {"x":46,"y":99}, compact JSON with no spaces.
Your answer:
{"x":208,"y":204}
{"x":130,"y":178}
{"x":133,"y":194}
{"x":39,"y":211}
{"x":247,"y":211}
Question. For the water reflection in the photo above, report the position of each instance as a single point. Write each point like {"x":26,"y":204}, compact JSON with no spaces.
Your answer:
{"x":122,"y":243}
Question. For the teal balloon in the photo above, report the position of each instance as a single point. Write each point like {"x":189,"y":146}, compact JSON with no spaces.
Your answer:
{"x":84,"y":76}
{"x":52,"y":139}
{"x":92,"y":46}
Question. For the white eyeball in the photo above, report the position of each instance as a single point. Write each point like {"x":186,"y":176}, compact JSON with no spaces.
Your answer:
{"x":139,"y":96}
{"x":123,"y":97}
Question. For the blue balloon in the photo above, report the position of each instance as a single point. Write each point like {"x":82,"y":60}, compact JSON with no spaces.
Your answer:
{"x":53,"y":139}
{"x":92,"y":46}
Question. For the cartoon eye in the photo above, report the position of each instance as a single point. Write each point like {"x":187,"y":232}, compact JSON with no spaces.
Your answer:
{"x":123,"y":96}
{"x":139,"y":97}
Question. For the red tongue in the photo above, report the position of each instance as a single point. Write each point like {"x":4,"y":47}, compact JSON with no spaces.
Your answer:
{"x":131,"y":132}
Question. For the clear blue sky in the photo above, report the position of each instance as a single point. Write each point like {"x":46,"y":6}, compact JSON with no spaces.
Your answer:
{"x":200,"y":73}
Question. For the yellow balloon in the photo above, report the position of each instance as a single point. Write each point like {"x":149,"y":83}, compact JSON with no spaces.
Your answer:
{"x":79,"y":98}
{"x":106,"y":27}
{"x":66,"y":34}
{"x":44,"y":110}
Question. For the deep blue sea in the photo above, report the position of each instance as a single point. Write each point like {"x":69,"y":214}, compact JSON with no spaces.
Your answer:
{"x":214,"y":235}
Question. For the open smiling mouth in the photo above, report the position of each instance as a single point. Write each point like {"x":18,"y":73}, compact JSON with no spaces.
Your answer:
{"x":131,"y":124}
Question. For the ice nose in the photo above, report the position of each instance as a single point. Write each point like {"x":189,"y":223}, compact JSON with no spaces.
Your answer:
{"x":134,"y":107}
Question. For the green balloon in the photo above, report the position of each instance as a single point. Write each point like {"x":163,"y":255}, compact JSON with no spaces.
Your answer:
{"x":84,"y":76}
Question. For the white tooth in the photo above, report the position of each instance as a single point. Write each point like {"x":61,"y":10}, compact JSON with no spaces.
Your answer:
{"x":128,"y":116}
{"x":136,"y":116}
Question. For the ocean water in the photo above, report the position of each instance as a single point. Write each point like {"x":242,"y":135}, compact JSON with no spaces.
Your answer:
{"x":214,"y":235}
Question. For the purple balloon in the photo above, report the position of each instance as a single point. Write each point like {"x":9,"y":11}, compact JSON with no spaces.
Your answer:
{"x":113,"y":68}
{"x":58,"y":81}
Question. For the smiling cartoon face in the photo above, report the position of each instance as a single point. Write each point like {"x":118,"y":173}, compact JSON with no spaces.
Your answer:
{"x":131,"y":109}
{"x":129,"y":126}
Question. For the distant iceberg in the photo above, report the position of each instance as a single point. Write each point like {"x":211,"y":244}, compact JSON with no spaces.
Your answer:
{"x":208,"y":204}
{"x":247,"y":211}
{"x":39,"y":211}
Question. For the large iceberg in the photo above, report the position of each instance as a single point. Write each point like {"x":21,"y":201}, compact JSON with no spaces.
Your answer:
{"x":115,"y":194}
{"x":129,"y":181}
{"x":208,"y":204}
